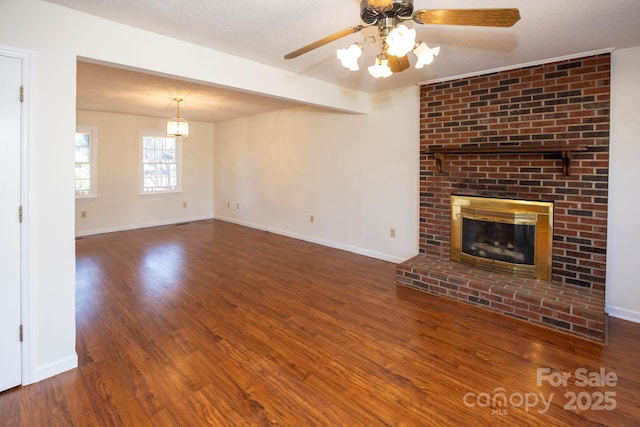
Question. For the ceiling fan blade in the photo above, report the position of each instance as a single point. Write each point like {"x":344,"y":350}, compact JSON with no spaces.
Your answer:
{"x":323,"y":41}
{"x":475,"y":17}
{"x":398,"y":63}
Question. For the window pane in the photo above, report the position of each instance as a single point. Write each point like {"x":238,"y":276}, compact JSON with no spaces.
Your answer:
{"x":159,"y":164}
{"x":83,"y":139}
{"x":148,"y":156}
{"x":85,"y":166}
{"x":83,"y":171}
{"x":83,"y":154}
{"x":82,"y":184}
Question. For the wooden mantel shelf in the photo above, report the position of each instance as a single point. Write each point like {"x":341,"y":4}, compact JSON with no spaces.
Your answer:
{"x":565,"y":150}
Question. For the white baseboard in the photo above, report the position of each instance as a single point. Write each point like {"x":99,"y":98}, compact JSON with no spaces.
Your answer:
{"x":137,"y":226}
{"x":623,"y":313}
{"x":55,"y":368}
{"x":336,"y":245}
{"x":243,"y":223}
{"x":311,"y":239}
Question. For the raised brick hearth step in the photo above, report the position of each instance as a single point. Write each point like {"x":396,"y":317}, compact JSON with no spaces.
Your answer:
{"x":574,"y":309}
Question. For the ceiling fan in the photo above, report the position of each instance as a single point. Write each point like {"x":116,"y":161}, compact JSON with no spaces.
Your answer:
{"x":396,"y":40}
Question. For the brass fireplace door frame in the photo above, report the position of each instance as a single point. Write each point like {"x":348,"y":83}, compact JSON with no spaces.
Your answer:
{"x":508,"y":211}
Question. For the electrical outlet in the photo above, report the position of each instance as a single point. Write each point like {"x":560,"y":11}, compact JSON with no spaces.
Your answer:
{"x":83,"y":214}
{"x":237,"y":205}
{"x":184,"y":204}
{"x":392,"y":233}
{"x":311,"y":218}
{"x":228,"y":204}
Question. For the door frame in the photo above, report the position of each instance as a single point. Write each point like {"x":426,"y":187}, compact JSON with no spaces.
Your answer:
{"x":27,"y":149}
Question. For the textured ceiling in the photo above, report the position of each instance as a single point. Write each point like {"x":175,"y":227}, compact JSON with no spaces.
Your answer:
{"x":265,"y":31}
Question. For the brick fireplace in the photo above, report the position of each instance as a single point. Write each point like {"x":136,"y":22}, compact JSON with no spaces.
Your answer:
{"x":540,"y":134}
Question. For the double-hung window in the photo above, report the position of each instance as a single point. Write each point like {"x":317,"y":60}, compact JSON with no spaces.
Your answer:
{"x":160,"y":163}
{"x":86,"y":162}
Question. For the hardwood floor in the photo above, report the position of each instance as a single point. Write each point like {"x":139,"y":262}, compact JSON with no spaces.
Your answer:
{"x":210,"y":323}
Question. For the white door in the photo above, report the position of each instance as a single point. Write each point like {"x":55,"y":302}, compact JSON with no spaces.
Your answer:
{"x":10,"y":125}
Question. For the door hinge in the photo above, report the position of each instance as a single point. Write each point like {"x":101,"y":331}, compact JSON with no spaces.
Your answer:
{"x":20,"y":213}
{"x":21,"y":333}
{"x":21,"y":93}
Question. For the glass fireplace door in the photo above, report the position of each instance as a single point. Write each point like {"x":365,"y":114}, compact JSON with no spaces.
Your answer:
{"x":513,"y":243}
{"x":503,"y":235}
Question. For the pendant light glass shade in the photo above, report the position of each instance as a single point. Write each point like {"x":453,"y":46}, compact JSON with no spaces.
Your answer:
{"x":177,"y":126}
{"x":425,"y":54}
{"x":349,"y":57}
{"x":401,"y":40}
{"x":380,"y":69}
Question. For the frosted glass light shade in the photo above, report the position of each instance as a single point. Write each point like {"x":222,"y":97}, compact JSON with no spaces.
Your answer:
{"x":177,"y":127}
{"x":380,"y":69}
{"x":425,"y":54}
{"x":349,"y":57}
{"x":401,"y":40}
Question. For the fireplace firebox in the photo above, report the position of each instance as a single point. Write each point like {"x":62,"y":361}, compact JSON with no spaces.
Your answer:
{"x":506,"y":236}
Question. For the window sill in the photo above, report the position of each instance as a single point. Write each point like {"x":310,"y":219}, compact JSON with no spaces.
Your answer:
{"x":156,"y":193}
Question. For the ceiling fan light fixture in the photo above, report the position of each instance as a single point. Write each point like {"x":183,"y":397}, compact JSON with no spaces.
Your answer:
{"x":425,"y":54}
{"x":349,"y":56}
{"x":380,"y":69}
{"x":401,"y":40}
{"x":395,"y":40}
{"x":177,"y":126}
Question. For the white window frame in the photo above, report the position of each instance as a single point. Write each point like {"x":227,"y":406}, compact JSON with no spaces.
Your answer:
{"x":178,"y":163}
{"x":93,"y":161}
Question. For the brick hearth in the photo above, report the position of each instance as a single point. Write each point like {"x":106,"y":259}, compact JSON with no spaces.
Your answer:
{"x":569,"y":308}
{"x":566,"y":102}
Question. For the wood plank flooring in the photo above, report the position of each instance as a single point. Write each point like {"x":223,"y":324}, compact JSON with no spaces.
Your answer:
{"x":211,"y":323}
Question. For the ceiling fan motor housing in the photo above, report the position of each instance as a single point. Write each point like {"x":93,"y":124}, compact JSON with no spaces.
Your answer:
{"x":400,"y":8}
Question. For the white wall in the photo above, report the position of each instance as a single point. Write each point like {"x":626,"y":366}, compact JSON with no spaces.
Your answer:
{"x":358,"y":175}
{"x":623,"y":281}
{"x":55,"y":37}
{"x":119,"y":205}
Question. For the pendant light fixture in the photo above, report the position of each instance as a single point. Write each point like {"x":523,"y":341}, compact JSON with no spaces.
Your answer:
{"x":177,"y":126}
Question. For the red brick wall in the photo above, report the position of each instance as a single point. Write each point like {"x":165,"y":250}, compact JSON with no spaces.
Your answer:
{"x":565,"y":102}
